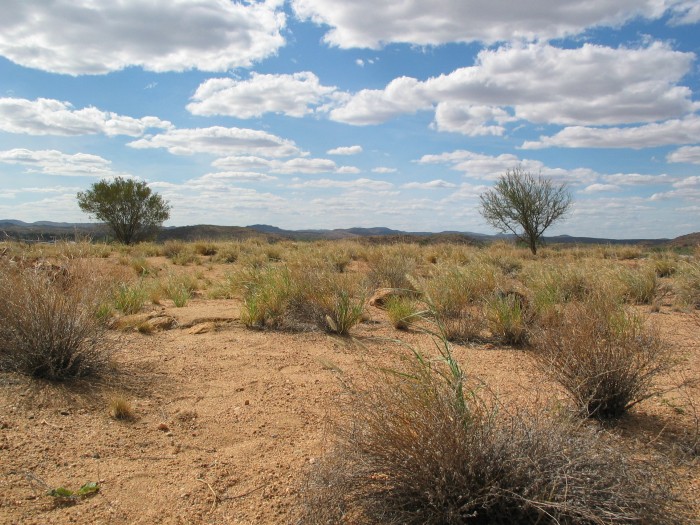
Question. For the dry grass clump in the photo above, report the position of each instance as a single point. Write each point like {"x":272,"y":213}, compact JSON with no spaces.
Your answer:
{"x":417,"y":448}
{"x":328,"y":299}
{"x":456,"y":297}
{"x":48,"y":323}
{"x":402,"y":311}
{"x":509,"y":318}
{"x":179,"y":288}
{"x":687,"y":285}
{"x":391,"y":266}
{"x":639,"y":285}
{"x":602,"y":354}
{"x":120,"y":408}
{"x":301,"y":297}
{"x":129,"y":297}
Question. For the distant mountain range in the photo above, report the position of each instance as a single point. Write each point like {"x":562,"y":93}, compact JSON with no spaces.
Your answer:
{"x":47,"y":230}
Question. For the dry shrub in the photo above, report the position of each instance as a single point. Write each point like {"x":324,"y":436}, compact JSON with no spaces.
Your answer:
{"x":509,"y":318}
{"x":402,"y":311}
{"x":639,"y":285}
{"x":456,"y":297}
{"x":416,"y":449}
{"x":325,"y":298}
{"x":687,"y":284}
{"x":602,"y":354}
{"x":301,"y":297}
{"x":49,"y":326}
{"x":391,"y":266}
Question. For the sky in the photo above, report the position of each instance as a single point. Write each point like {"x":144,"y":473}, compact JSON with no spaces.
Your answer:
{"x":336,"y":114}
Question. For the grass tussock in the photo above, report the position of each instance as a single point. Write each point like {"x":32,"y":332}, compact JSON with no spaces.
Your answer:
{"x":603,"y":355}
{"x":418,"y":447}
{"x":49,"y":327}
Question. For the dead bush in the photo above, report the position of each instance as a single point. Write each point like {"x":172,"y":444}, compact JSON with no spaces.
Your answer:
{"x":49,"y":326}
{"x":602,"y":354}
{"x":416,"y":447}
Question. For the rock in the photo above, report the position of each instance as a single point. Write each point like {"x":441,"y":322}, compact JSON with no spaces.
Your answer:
{"x":382,"y":295}
{"x":158,"y":324}
{"x":132,"y":321}
{"x":202,"y":328}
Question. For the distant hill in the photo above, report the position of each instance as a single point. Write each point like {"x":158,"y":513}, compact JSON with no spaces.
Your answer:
{"x":684,"y":241}
{"x":48,"y":230}
{"x":211,"y":233}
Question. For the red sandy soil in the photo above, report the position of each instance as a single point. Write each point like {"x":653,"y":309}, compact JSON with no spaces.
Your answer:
{"x":227,"y":421}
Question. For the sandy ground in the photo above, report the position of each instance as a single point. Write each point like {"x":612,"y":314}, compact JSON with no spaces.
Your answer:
{"x":229,"y":419}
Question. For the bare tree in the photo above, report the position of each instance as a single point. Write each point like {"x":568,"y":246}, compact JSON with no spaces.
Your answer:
{"x":525,"y":205}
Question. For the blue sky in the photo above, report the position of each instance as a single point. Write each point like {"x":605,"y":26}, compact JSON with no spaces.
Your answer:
{"x":335,"y":114}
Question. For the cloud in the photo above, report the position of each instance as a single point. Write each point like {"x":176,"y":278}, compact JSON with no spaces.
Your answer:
{"x":348,"y":170}
{"x":218,"y":140}
{"x":357,"y":184}
{"x":597,"y":188}
{"x":382,"y":169}
{"x":487,"y":167}
{"x":345,"y":150}
{"x":443,"y":21}
{"x":292,"y":95}
{"x":52,"y":162}
{"x":588,"y":85}
{"x":685,"y":12}
{"x":403,"y":95}
{"x":87,"y":37}
{"x":45,"y":116}
{"x":636,"y":179}
{"x":471,"y":120}
{"x":226,"y":177}
{"x":296,"y":165}
{"x":432,"y":185}
{"x":688,"y":154}
{"x":675,"y":131}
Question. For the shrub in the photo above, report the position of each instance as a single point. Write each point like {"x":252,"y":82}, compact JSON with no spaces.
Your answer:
{"x":48,"y":324}
{"x":687,"y":285}
{"x":665,"y":266}
{"x":456,"y":297}
{"x":508,"y":318}
{"x":326,"y":299}
{"x":179,"y":289}
{"x":603,"y":356}
{"x":416,"y":447}
{"x":129,"y":298}
{"x":402,"y":311}
{"x":390,"y":267}
{"x":639,"y":285}
{"x":266,"y":294}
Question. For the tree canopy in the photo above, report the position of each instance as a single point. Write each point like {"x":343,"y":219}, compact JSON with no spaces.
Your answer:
{"x":128,"y":206}
{"x":525,"y":205}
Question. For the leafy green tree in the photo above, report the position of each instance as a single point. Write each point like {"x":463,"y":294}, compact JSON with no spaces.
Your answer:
{"x":525,"y":205}
{"x":129,"y":207}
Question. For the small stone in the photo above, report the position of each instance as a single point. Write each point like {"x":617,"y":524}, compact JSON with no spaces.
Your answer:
{"x":163,"y":427}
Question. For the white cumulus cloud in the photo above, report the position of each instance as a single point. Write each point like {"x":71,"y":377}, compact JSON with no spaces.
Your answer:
{"x":357,"y":184}
{"x":45,"y":116}
{"x":674,"y":131}
{"x":541,"y":83}
{"x":345,"y":150}
{"x":53,"y":162}
{"x":219,"y":140}
{"x":87,"y":37}
{"x":292,"y":95}
{"x":689,"y":154}
{"x":431,"y":185}
{"x":443,"y":21}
